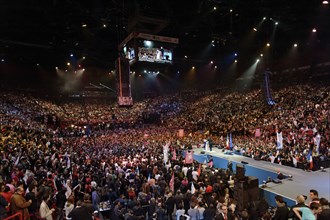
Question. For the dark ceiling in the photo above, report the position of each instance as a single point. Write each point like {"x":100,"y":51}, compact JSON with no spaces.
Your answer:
{"x":48,"y":31}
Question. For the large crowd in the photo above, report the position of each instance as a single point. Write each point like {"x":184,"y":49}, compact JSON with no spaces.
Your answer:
{"x":84,"y":159}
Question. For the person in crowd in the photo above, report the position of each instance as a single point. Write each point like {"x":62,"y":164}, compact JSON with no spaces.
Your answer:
{"x":44,"y":210}
{"x":60,"y":203}
{"x":19,"y":204}
{"x":313,"y":196}
{"x":3,"y":206}
{"x":210,"y":212}
{"x":308,"y":213}
{"x":6,"y":194}
{"x":223,"y":213}
{"x":170,"y":204}
{"x":179,"y":211}
{"x":69,"y":206}
{"x":80,"y":213}
{"x":325,"y":213}
{"x":201,"y":209}
{"x":31,"y":195}
{"x":193,"y":212}
{"x":282,"y":211}
{"x":300,"y":203}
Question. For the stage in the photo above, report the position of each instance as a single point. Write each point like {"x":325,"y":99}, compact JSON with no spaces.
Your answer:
{"x":301,"y":182}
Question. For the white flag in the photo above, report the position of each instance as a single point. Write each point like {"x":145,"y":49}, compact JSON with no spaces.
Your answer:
{"x":279,"y":140}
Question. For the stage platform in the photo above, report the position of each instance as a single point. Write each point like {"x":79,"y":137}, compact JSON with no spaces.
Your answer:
{"x":301,"y":182}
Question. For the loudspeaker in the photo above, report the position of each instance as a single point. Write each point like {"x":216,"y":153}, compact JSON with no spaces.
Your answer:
{"x":240,"y":171}
{"x":253,"y":182}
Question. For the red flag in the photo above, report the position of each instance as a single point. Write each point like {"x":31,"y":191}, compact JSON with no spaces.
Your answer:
{"x":310,"y":159}
{"x":258,"y":132}
{"x":172,"y":183}
{"x":189,"y":157}
{"x":174,"y":155}
{"x":199,"y":170}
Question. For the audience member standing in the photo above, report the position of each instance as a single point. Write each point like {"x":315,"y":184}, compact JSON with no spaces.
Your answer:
{"x":44,"y":210}
{"x":19,"y":204}
{"x":282,"y":211}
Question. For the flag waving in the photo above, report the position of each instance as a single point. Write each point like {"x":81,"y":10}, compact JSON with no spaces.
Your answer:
{"x":165,"y":151}
{"x":199,"y":169}
{"x":189,"y":158}
{"x":230,"y":142}
{"x":172,"y":183}
{"x":310,"y":159}
{"x":174,"y":154}
{"x":279,"y":141}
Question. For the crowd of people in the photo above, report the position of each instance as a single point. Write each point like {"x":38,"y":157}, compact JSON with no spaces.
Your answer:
{"x":68,"y":158}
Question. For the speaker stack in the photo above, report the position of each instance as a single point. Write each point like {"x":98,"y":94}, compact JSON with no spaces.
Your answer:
{"x":246,"y":188}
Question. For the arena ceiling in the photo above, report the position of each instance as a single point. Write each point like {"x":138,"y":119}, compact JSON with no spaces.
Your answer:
{"x":48,"y":31}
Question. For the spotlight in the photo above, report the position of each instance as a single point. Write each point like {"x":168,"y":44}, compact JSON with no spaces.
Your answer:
{"x":261,"y":55}
{"x":211,"y":62}
{"x":231,"y":10}
{"x":276,"y":23}
{"x":214,"y":8}
{"x":68,"y":64}
{"x":258,"y":60}
{"x":215,"y":67}
{"x":147,"y":43}
{"x":235,"y":61}
{"x":325,"y":2}
{"x":264,"y":18}
{"x":314,"y":30}
{"x":193,"y":67}
{"x":295,"y":45}
{"x":235,"y":54}
{"x":255,"y":29}
{"x":71,"y":55}
{"x":268,"y":44}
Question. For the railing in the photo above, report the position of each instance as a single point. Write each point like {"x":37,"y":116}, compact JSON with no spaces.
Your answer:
{"x":15,"y":215}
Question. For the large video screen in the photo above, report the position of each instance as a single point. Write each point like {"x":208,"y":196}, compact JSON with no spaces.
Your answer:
{"x":129,"y":53}
{"x":154,"y":53}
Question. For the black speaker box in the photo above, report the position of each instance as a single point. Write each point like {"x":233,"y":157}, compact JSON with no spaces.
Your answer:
{"x":240,"y":171}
